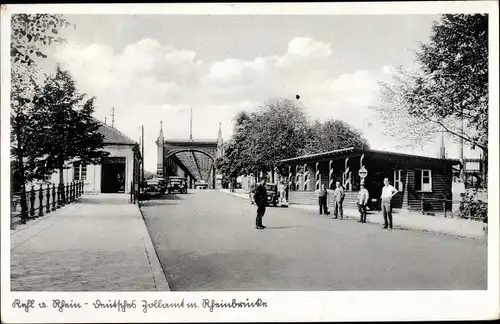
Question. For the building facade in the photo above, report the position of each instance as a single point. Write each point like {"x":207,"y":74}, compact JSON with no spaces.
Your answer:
{"x":117,"y":172}
{"x":419,"y":180}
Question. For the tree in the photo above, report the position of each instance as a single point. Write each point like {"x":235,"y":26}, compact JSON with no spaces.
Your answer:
{"x":29,"y":35}
{"x":334,"y":135}
{"x":449,"y":88}
{"x":70,"y":132}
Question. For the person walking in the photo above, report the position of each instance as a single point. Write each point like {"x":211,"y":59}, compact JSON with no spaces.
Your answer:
{"x":388,"y":192}
{"x":260,"y":200}
{"x":322,"y":194}
{"x":338,"y":199}
{"x":362,"y":200}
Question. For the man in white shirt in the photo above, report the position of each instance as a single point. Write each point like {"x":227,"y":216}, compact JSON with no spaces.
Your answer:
{"x":362,"y":200}
{"x":338,"y":199}
{"x":322,"y":194}
{"x":388,"y":192}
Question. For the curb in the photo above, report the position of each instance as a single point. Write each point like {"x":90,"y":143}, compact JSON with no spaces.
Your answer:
{"x":159,"y":276}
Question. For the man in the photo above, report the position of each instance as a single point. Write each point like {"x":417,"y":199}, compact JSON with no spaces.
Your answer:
{"x":260,"y":200}
{"x":362,"y":200}
{"x":388,"y":192}
{"x":281,"y":191}
{"x":322,"y":200}
{"x":338,"y":199}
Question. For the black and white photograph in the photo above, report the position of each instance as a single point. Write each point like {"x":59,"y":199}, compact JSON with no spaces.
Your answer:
{"x":262,"y":162}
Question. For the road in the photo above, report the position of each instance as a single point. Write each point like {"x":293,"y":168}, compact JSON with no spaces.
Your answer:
{"x":206,"y":240}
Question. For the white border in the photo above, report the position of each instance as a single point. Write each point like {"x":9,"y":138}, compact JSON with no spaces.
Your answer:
{"x":284,"y":306}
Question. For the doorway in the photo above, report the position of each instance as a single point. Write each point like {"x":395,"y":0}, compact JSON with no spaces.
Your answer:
{"x":113,"y":175}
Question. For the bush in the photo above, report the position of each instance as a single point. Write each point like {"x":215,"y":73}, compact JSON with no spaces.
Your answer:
{"x":472,"y":207}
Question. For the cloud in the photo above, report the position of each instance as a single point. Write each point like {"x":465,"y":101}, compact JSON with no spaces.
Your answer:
{"x":180,"y":57}
{"x":147,"y":82}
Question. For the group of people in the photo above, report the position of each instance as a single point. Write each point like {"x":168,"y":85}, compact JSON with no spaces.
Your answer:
{"x":362,"y":199}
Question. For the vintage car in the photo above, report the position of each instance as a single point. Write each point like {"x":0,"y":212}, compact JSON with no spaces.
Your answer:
{"x":155,"y":187}
{"x":176,"y":184}
{"x":271,"y":197}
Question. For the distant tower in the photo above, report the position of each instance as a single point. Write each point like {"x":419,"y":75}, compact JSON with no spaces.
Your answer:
{"x":442,"y":149}
{"x":113,"y":117}
{"x":191,"y":124}
{"x":159,"y":143}
{"x":220,"y":148}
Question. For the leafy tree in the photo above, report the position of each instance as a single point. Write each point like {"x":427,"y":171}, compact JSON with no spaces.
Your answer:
{"x":30,"y":34}
{"x":334,"y":135}
{"x":450,"y":86}
{"x":65,"y":117}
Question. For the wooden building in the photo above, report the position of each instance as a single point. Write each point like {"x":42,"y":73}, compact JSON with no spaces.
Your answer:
{"x":417,"y":178}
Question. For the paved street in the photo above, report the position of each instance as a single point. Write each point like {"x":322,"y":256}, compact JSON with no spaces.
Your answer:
{"x":98,"y":243}
{"x":206,"y":240}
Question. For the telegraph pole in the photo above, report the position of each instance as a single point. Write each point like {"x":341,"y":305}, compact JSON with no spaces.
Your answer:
{"x":191,"y":124}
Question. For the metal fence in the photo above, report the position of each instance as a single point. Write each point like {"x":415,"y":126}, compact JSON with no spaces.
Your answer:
{"x":43,"y":200}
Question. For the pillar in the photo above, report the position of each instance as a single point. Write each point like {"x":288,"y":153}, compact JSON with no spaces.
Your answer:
{"x":160,"y":152}
{"x":346,"y":176}
{"x":318,"y":176}
{"x":330,"y":176}
{"x":306,"y":178}
{"x":297,"y":178}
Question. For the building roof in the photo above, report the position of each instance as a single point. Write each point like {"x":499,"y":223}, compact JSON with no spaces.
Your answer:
{"x":114,"y":136}
{"x":350,"y":150}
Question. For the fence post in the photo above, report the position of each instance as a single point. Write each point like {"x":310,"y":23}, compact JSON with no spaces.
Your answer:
{"x":82,"y":187}
{"x":40,"y":197}
{"x":79,"y":188}
{"x":422,"y":205}
{"x":73,"y":191}
{"x":60,"y":188}
{"x":53,"y":196}
{"x":47,"y":208}
{"x":66,"y":191}
{"x":444,"y":206}
{"x":32,"y":201}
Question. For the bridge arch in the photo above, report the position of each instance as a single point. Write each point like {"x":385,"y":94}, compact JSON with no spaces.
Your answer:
{"x":214,"y":166}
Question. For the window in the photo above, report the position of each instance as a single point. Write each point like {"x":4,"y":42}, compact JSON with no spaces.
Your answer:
{"x":79,"y":171}
{"x":423,"y":180}
{"x":398,"y":182}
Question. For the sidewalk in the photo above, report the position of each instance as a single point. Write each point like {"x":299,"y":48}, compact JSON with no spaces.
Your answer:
{"x":405,"y":220}
{"x":99,"y":243}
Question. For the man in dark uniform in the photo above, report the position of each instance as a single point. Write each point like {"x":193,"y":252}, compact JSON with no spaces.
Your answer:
{"x":260,"y":200}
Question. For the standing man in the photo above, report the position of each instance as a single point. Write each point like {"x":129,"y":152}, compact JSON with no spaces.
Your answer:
{"x":260,"y":200}
{"x":338,"y":199}
{"x":362,"y":200}
{"x":388,"y":192}
{"x":322,"y":199}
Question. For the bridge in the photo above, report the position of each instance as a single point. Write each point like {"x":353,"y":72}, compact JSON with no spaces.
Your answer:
{"x":193,"y":159}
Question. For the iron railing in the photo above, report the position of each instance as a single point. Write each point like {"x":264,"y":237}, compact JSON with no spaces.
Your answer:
{"x":43,"y":200}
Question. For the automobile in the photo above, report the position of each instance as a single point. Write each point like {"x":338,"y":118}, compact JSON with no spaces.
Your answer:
{"x":177,"y":184}
{"x":271,"y":197}
{"x":154,"y":187}
{"x":201,"y":184}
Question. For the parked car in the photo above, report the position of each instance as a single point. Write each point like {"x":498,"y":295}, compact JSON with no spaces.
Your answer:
{"x":272,"y":195}
{"x":176,"y":184}
{"x":155,"y":187}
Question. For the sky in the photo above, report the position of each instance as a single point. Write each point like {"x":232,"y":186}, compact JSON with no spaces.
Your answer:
{"x":154,"y":68}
